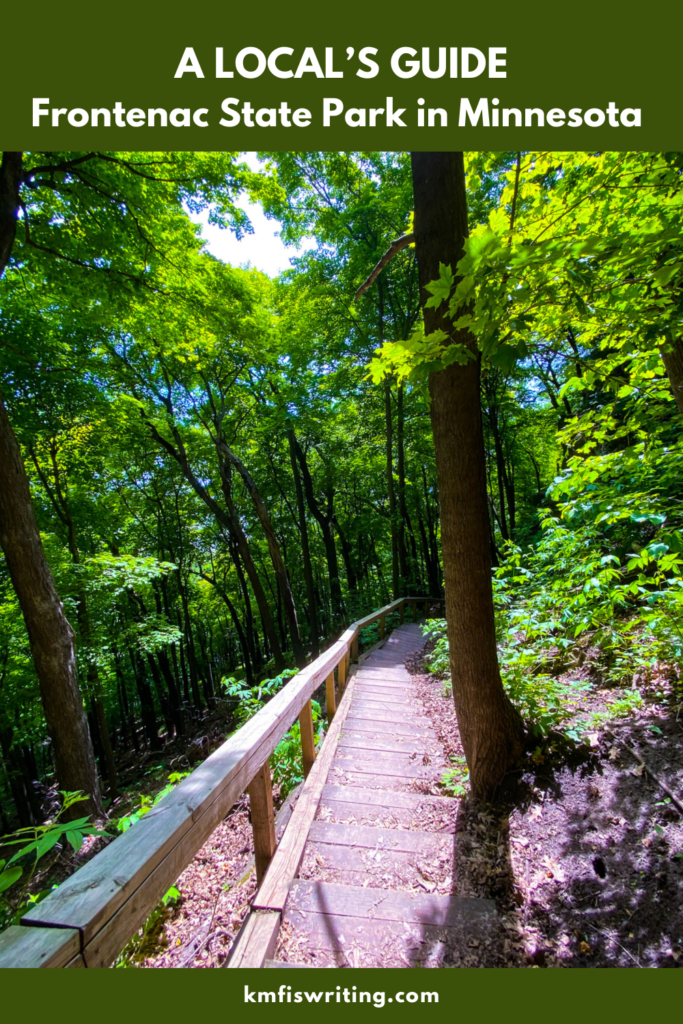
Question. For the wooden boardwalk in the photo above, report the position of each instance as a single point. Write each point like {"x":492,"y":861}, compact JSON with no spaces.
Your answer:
{"x":375,"y":868}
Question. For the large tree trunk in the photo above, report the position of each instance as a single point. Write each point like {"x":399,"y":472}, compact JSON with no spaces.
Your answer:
{"x":50,"y":635}
{"x":490,"y":728}
{"x":672,"y":354}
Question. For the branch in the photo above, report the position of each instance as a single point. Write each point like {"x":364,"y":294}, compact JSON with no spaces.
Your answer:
{"x":396,"y":246}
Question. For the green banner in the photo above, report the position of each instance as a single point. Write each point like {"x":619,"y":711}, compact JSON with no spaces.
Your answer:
{"x":275,"y":76}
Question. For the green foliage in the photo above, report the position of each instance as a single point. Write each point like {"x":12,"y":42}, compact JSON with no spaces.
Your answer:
{"x":147,"y":802}
{"x":286,"y":761}
{"x":148,"y":938}
{"x":250,"y":699}
{"x":33,"y":843}
{"x":456,"y":779}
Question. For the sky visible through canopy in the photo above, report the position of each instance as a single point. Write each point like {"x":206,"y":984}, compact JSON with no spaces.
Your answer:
{"x":263,"y":249}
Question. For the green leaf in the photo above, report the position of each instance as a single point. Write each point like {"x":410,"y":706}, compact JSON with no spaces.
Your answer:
{"x":76,"y":839}
{"x":8,"y":877}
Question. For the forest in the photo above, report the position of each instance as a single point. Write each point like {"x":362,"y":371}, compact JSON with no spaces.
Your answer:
{"x":468,"y":387}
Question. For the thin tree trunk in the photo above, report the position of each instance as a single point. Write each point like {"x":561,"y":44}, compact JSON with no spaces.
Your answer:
{"x":305,"y":548}
{"x":490,"y":728}
{"x":275,"y":554}
{"x":324,"y":522}
{"x":403,"y":523}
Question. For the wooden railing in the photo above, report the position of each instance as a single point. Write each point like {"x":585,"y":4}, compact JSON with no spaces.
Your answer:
{"x":89,"y":919}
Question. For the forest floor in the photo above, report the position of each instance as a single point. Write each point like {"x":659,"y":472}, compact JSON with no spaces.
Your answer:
{"x":583,"y":851}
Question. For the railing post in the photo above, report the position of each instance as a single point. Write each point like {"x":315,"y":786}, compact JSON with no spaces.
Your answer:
{"x":260,"y":792}
{"x":330,"y":696}
{"x":341,"y":676}
{"x":382,"y":625}
{"x":354,"y":648}
{"x":307,"y":737}
{"x":401,"y":612}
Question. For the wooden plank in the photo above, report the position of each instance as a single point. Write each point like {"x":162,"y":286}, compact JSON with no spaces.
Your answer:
{"x":420,"y":765}
{"x":381,"y":680}
{"x":333,"y":833}
{"x":392,"y":708}
{"x":146,"y":860}
{"x":284,"y":963}
{"x":375,"y":720}
{"x":256,"y":941}
{"x":307,"y":737}
{"x":378,"y":943}
{"x":383,"y":744}
{"x":394,"y":767}
{"x":330,"y":697}
{"x":386,"y":905}
{"x":341,"y":676}
{"x":260,"y":791}
{"x":414,"y":802}
{"x":285,"y":864}
{"x":39,"y":947}
{"x":382,"y":868}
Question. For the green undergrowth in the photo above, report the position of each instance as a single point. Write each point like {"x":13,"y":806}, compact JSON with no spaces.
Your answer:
{"x":27,"y":847}
{"x":286,"y":761}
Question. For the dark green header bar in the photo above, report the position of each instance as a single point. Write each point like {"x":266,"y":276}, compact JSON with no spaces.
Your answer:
{"x":272,"y":76}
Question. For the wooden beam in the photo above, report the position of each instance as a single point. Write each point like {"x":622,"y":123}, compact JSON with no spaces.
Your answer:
{"x":341,"y":677}
{"x":285,"y":863}
{"x":382,"y":626}
{"x":330,"y":697}
{"x":40,"y":947}
{"x":256,"y":942}
{"x":401,"y":612}
{"x":307,"y":737}
{"x":260,"y":791}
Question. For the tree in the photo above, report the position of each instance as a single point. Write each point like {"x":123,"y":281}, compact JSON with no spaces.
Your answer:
{"x":50,"y":635}
{"x":490,"y":728}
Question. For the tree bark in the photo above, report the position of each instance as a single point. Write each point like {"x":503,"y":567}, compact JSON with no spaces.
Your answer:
{"x":50,"y":636}
{"x":403,"y":522}
{"x":305,"y":548}
{"x":324,"y":522}
{"x":275,"y":553}
{"x":490,"y":728}
{"x":672,"y":355}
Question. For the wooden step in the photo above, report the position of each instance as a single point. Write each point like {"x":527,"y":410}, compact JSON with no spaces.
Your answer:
{"x":396,"y":726}
{"x":361,"y":926}
{"x":388,"y":810}
{"x":284,"y":963}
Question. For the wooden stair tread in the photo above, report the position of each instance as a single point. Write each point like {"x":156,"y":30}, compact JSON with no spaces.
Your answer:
{"x":388,"y":800}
